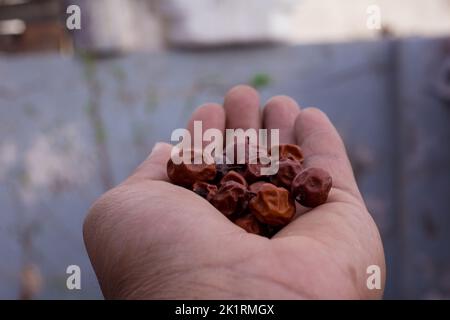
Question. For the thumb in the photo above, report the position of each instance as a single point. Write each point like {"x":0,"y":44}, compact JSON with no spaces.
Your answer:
{"x":154,"y":167}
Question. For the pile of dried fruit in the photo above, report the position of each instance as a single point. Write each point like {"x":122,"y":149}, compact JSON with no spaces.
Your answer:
{"x":258,"y":203}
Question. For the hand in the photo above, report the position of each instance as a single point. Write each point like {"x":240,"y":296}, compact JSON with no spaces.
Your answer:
{"x":149,"y":239}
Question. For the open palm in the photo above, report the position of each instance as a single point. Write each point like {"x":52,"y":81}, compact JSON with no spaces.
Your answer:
{"x":149,"y":239}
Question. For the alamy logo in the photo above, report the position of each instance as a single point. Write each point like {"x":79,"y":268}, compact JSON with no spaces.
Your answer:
{"x":242,"y":145}
{"x":374,"y":17}
{"x":73,"y":21}
{"x":374,"y":278}
{"x":73,"y":281}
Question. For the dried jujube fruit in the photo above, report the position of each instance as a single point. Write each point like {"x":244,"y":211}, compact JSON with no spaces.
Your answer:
{"x":205,"y":189}
{"x":311,"y":187}
{"x":231,"y":198}
{"x":255,"y":186}
{"x":272,"y":205}
{"x":250,"y":224}
{"x":253,"y":172}
{"x":186,"y":174}
{"x":260,"y":204}
{"x":233,"y":176}
{"x":287,"y":171}
{"x":290,"y":151}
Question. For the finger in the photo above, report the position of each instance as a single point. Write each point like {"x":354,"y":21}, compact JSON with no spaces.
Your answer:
{"x":323,"y":148}
{"x":342,"y":226}
{"x":242,"y":108}
{"x":211,"y":115}
{"x":155,"y":166}
{"x":280,"y":113}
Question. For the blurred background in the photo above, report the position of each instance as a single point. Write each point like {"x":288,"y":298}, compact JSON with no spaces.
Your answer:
{"x":81,"y":107}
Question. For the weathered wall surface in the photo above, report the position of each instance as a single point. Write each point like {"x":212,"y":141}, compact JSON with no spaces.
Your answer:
{"x":151,"y":24}
{"x":72,"y":128}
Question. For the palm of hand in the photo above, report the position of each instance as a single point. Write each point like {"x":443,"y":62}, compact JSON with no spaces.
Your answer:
{"x":148,"y":238}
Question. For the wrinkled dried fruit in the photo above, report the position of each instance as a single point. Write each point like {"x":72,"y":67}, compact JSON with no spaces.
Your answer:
{"x":253,"y":172}
{"x":223,"y":168}
{"x":287,"y":171}
{"x":186,"y":174}
{"x":254,"y":187}
{"x":231,"y":198}
{"x":290,"y":151}
{"x":273,"y":205}
{"x":260,"y":204}
{"x":205,"y":190}
{"x":233,"y":176}
{"x":311,"y":187}
{"x":250,"y":224}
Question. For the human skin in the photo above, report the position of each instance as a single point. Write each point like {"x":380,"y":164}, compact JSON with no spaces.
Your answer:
{"x":149,"y":239}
